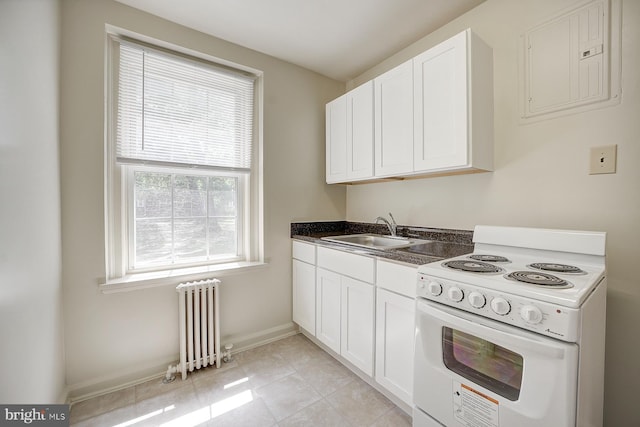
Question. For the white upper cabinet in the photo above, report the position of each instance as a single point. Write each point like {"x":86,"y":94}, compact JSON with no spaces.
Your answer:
{"x":394,"y":121}
{"x":431,"y":115}
{"x":453,"y":106}
{"x":336,"y":144}
{"x":350,"y":136}
{"x":360,"y":132}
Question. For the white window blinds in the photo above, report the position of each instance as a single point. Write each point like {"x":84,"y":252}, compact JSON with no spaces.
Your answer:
{"x":181,"y":112}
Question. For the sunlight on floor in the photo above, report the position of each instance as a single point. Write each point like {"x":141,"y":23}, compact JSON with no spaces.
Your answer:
{"x":203,"y":414}
{"x":235,"y":383}
{"x":209,"y":412}
{"x":146,"y":416}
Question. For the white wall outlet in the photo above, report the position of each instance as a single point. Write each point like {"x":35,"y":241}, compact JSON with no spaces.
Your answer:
{"x":603,"y":159}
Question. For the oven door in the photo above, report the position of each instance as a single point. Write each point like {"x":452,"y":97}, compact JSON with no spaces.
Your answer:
{"x":475,"y":372}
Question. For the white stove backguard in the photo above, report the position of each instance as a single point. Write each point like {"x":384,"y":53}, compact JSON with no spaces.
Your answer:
{"x":570,"y":241}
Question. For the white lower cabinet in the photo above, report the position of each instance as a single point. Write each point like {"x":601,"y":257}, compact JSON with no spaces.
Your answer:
{"x":357,"y":324}
{"x":304,"y":295}
{"x":370,"y":325}
{"x":304,"y":285}
{"x":345,"y":317}
{"x":345,"y":305}
{"x":328,"y":312}
{"x":395,"y":325}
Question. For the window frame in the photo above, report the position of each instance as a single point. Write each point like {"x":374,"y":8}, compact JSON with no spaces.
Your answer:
{"x":118,"y":273}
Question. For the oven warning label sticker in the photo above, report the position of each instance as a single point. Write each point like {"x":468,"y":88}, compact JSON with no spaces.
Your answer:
{"x":472,"y":408}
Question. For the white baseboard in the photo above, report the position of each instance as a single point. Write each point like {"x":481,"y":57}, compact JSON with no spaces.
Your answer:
{"x":109,"y":383}
{"x":155,"y":369}
{"x":242,"y":342}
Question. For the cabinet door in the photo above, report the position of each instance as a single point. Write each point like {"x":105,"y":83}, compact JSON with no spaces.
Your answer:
{"x":358,"y":323}
{"x":328,"y":294}
{"x":440,"y":109}
{"x":360,"y":132}
{"x":336,"y":140}
{"x":395,"y":326}
{"x":304,"y":295}
{"x":393,"y":95}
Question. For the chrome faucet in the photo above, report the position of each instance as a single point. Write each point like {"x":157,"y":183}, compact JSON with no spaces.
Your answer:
{"x":393,"y":226}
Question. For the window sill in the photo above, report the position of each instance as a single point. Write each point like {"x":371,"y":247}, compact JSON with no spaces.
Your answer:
{"x":137,"y":281}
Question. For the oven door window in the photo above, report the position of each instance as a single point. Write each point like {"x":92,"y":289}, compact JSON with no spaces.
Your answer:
{"x":486,"y":364}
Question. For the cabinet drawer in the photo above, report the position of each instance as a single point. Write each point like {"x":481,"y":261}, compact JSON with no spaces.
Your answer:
{"x":356,"y":266}
{"x":397,"y":278}
{"x":304,"y":252}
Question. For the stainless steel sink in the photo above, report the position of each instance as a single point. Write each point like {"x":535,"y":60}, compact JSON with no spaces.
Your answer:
{"x":375,"y":241}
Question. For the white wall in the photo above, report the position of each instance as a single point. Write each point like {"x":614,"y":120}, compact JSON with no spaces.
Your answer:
{"x":541,"y":176}
{"x":115,"y":338}
{"x":31,"y":353}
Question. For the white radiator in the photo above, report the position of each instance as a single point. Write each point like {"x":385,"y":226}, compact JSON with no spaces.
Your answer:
{"x":199,"y":325}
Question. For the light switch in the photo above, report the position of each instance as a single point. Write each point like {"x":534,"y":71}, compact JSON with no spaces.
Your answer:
{"x":603,"y":159}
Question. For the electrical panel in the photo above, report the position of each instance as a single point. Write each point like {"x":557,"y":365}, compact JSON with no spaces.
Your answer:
{"x":567,"y":61}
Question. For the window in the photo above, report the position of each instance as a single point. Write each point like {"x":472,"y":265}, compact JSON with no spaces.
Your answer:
{"x":181,"y":179}
{"x":179,"y":218}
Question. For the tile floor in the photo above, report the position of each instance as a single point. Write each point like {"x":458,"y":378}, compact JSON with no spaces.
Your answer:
{"x":291,"y":382}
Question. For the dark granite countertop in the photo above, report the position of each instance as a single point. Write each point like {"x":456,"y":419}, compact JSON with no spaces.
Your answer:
{"x":443,"y":243}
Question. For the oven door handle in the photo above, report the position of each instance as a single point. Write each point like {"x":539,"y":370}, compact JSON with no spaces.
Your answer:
{"x":496,"y":332}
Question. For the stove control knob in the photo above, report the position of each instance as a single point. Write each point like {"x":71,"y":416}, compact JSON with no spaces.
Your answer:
{"x":435,"y":288}
{"x":477,"y":300}
{"x":455,"y":294}
{"x":531,"y":314}
{"x":500,"y":306}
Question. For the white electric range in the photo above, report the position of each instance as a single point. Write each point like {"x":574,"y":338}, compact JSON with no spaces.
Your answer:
{"x":492,"y":323}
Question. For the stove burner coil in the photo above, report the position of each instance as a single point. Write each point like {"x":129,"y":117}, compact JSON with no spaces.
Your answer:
{"x":540,"y":279}
{"x":489,"y":258}
{"x":557,"y":268}
{"x":473,"y":266}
